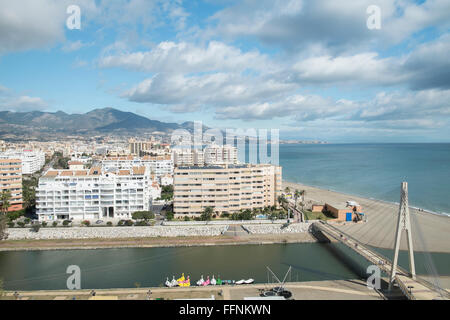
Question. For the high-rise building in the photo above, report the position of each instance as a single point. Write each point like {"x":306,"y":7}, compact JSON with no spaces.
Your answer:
{"x":227,"y":188}
{"x":32,"y":161}
{"x":210,"y":155}
{"x":220,"y":155}
{"x":11,"y":180}
{"x":158,"y":166}
{"x":94,"y":193}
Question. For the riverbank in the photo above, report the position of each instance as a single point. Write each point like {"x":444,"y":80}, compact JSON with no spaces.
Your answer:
{"x":430,"y":231}
{"x":86,"y":244}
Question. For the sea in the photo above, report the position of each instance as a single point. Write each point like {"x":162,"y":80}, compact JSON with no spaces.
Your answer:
{"x":374,"y":170}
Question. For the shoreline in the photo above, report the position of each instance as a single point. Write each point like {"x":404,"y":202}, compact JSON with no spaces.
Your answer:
{"x":444,"y":214}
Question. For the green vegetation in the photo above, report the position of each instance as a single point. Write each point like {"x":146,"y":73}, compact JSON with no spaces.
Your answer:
{"x":109,"y":223}
{"x":5,"y":197}
{"x":166,"y":193}
{"x":21,"y":224}
{"x":44,"y":224}
{"x":125,"y":223}
{"x":35,"y":227}
{"x":317,"y":215}
{"x":141,"y":223}
{"x":61,"y":162}
{"x":207,"y":214}
{"x":55,"y":223}
{"x":3,"y":234}
{"x":143,"y":215}
{"x":169,"y":215}
{"x":187,"y":218}
{"x":66,"y":223}
{"x":14,"y":215}
{"x":86,"y":223}
{"x":29,"y":186}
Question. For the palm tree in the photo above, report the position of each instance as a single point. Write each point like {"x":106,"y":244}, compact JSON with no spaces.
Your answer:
{"x":5,"y":196}
{"x":296,"y":195}
{"x":287,"y":190}
{"x":303,"y":193}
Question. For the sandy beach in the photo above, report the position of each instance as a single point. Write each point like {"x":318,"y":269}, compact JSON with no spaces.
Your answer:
{"x":431,"y":232}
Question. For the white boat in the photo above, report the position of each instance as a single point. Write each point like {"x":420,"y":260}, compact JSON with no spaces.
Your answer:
{"x":201,"y":281}
{"x":168,"y":283}
{"x":249,"y":281}
{"x":240,"y":282}
{"x":213,"y":281}
{"x":174,"y":283}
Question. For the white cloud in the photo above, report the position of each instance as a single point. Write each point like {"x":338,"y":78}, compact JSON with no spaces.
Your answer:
{"x":216,"y":89}
{"x":336,"y":26}
{"x":185,"y":57}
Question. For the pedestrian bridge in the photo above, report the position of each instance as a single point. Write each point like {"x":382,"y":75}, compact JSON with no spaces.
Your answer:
{"x":413,"y":289}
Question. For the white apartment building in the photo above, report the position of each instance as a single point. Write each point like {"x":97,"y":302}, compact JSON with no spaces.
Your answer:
{"x":158,"y":166}
{"x":32,"y":161}
{"x":211,"y":155}
{"x":93,"y":194}
{"x":227,"y":188}
{"x":220,"y":155}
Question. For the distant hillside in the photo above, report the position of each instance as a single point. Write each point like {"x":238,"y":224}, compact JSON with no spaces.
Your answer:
{"x":37,"y":123}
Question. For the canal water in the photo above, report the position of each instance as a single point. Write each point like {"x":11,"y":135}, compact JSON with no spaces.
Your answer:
{"x":149,"y":267}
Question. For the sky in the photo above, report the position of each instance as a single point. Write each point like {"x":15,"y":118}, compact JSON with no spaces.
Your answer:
{"x":312,"y":69}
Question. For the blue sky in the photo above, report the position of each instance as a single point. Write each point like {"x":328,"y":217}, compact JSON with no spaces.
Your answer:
{"x":309,"y":68}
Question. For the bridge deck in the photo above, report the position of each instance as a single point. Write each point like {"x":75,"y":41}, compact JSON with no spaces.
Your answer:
{"x":413,"y":289}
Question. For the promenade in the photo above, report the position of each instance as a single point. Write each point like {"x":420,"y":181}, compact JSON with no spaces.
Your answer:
{"x":314,"y":290}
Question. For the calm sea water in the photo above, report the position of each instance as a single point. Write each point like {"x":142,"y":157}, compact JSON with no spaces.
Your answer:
{"x":374,"y":170}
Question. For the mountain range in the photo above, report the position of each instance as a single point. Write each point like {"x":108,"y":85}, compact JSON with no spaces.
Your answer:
{"x":38,"y":124}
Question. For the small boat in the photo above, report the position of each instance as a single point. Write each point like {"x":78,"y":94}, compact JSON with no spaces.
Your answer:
{"x":185,"y":283}
{"x":219,"y":281}
{"x":207,"y":282}
{"x":168,"y":283}
{"x":201,"y":281}
{"x":240,"y":282}
{"x":174,"y":282}
{"x":181,"y":280}
{"x":249,"y":281}
{"x":213,"y":281}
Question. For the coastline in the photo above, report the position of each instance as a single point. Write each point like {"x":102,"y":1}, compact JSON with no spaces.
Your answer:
{"x":431,"y":230}
{"x":286,"y":182}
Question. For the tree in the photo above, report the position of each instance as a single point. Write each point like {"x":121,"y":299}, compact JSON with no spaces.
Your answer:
{"x":303,"y":194}
{"x":287,"y":190}
{"x":296,"y":195}
{"x":3,"y":233}
{"x":36,"y":227}
{"x":207,"y":214}
{"x":5,"y":196}
{"x":143,"y":215}
{"x":169,"y":215}
{"x":29,"y":192}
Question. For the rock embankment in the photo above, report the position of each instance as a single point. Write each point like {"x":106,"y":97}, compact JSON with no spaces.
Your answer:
{"x":277,"y":228}
{"x":114,"y":232}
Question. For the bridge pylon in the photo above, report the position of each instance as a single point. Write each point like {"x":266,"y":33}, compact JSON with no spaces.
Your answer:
{"x":403,"y":224}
